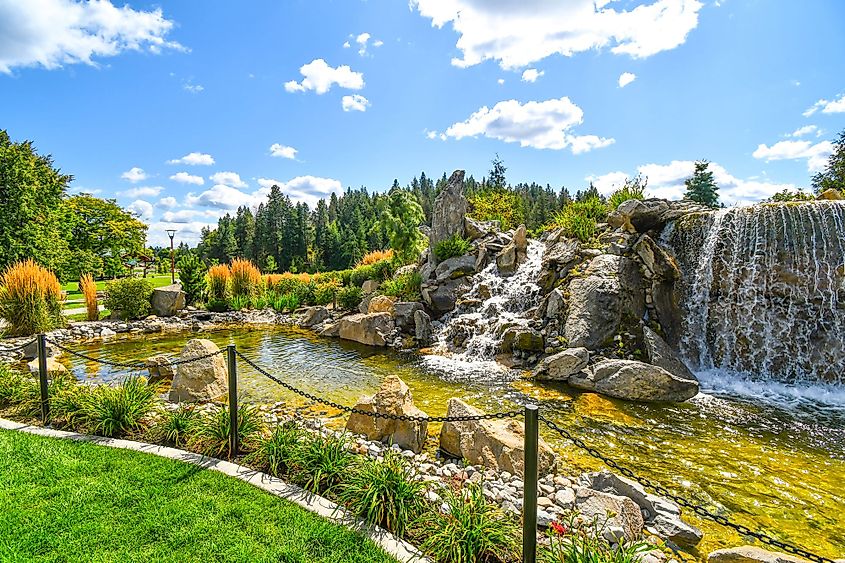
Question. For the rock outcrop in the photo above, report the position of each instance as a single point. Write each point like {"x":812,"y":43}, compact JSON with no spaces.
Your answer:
{"x":661,"y":355}
{"x":200,"y":380}
{"x":314,"y":316}
{"x":563,"y":365}
{"x":371,"y":329}
{"x":650,"y":214}
{"x":634,"y":381}
{"x":393,"y":398}
{"x":495,"y":445}
{"x":449,"y":211}
{"x":168,"y":300}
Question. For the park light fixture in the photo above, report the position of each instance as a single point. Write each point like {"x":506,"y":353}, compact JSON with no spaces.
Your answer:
{"x":171,"y":233}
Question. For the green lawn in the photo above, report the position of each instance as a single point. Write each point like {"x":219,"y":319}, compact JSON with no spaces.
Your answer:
{"x":73,"y":293}
{"x":70,"y":501}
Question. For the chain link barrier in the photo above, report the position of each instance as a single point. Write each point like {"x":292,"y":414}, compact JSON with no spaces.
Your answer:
{"x":130,"y":365}
{"x":18,"y":348}
{"x":681,"y":501}
{"x":316,"y":399}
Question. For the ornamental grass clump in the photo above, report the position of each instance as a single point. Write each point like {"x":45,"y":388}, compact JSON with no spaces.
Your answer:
{"x":89,"y":291}
{"x":376,"y":256}
{"x":117,"y":410}
{"x":385,"y":493}
{"x":173,"y":427}
{"x":30,"y":299}
{"x":280,"y":454}
{"x":574,"y":542}
{"x":211,"y":431}
{"x":245,"y":279}
{"x":218,"y":287}
{"x":324,"y":462}
{"x":469,"y":530}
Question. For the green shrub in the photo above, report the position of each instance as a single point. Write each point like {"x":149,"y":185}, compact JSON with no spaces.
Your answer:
{"x":192,"y":274}
{"x":240,"y":302}
{"x":383,"y":269}
{"x":407,"y":286}
{"x":14,"y":387}
{"x":631,"y":190}
{"x":324,"y":293}
{"x":787,"y":195}
{"x":451,"y":247}
{"x":286,"y":302}
{"x":117,"y":410}
{"x":129,"y":298}
{"x":30,"y":299}
{"x":579,"y":219}
{"x":361,"y":274}
{"x":584,"y":543}
{"x":470,"y":530}
{"x":211,"y":431}
{"x":345,"y":276}
{"x":280,"y":454}
{"x":20,"y":393}
{"x":385,"y":493}
{"x":348,"y":298}
{"x":173,"y":427}
{"x":325,"y":460}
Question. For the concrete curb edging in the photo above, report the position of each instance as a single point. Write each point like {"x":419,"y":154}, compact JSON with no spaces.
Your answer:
{"x":398,"y":548}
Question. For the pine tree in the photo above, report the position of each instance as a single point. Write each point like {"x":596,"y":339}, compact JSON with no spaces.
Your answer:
{"x":833,"y":175}
{"x":701,"y":187}
{"x":497,"y":174}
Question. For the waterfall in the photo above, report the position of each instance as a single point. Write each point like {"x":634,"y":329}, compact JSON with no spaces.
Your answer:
{"x":765,"y":290}
{"x":471,"y":334}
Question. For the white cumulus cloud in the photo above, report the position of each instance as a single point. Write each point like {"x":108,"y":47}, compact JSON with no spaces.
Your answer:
{"x":231,"y":179}
{"x":143,"y":191}
{"x":168,"y":202}
{"x":827,"y":106}
{"x":135,"y":175}
{"x":282,"y":151}
{"x":626,"y":78}
{"x":53,"y":33}
{"x":221,"y":196}
{"x":320,"y":77}
{"x":355,"y":102}
{"x":143,"y":209}
{"x":185,"y":178}
{"x":801,"y":131}
{"x":518,"y":33}
{"x":541,"y":125}
{"x":816,"y":154}
{"x":532,"y":74}
{"x":307,"y":189}
{"x":194,"y":159}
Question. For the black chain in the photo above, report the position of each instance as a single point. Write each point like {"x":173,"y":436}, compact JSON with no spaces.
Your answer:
{"x":132,"y":365}
{"x":310,"y":397}
{"x":18,"y":348}
{"x":700,"y":510}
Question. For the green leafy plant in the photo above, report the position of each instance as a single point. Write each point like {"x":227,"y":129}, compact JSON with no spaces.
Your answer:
{"x":324,"y":293}
{"x":117,"y":410}
{"x":129,"y":297}
{"x":192,"y":274}
{"x":787,"y":195}
{"x":363,"y":273}
{"x":280,"y":453}
{"x":240,"y":302}
{"x":385,"y":493}
{"x":285,"y":302}
{"x":632,"y":189}
{"x":406,"y":286}
{"x":348,"y":298}
{"x":211,"y":432}
{"x":174,"y":426}
{"x":470,"y":530}
{"x":14,"y":387}
{"x":325,"y":461}
{"x":383,"y":269}
{"x":451,"y":247}
{"x":571,"y":543}
{"x":579,"y":219}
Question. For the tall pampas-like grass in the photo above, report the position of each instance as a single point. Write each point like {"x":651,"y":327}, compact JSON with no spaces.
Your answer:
{"x":30,"y":298}
{"x":246,"y":282}
{"x":89,"y":291}
{"x":218,"y":283}
{"x":376,"y":256}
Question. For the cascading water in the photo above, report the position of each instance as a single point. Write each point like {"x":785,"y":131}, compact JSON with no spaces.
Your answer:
{"x":765,"y":291}
{"x":470,"y":335}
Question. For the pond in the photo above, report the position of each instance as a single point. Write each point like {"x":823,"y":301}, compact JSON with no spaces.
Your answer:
{"x":772,"y":458}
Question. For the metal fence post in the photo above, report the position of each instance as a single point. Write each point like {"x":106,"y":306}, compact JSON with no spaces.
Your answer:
{"x":529,"y":498}
{"x":42,"y":378}
{"x":233,"y":400}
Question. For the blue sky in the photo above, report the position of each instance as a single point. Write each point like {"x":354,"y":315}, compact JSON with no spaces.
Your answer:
{"x":319,"y":95}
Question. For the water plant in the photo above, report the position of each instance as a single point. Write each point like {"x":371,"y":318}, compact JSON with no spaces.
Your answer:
{"x":129,"y":298}
{"x":285,"y":302}
{"x":384,"y":492}
{"x":30,"y":299}
{"x":451,"y":247}
{"x":239,"y":302}
{"x":469,"y":529}
{"x":89,"y":291}
{"x":211,"y":431}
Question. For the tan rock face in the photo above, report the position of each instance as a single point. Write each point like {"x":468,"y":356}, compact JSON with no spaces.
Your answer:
{"x":202,"y":380}
{"x":370,"y":286}
{"x":160,"y":369}
{"x":381,"y":304}
{"x":631,"y":380}
{"x":393,"y":397}
{"x":751,"y":554}
{"x":497,"y":445}
{"x":168,"y":300}
{"x":626,"y":514}
{"x":54,"y":367}
{"x":370,"y":329}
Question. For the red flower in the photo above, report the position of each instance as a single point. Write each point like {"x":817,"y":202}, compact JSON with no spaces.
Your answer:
{"x":559,"y":528}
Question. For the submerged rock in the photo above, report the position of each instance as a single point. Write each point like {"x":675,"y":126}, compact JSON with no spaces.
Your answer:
{"x":496,"y":445}
{"x":634,"y":381}
{"x":562,"y":365}
{"x":393,"y":398}
{"x":200,"y":380}
{"x":160,"y":369}
{"x":371,"y":329}
{"x":751,"y":554}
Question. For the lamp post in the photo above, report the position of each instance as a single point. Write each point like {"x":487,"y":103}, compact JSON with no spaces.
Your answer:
{"x":171,"y":233}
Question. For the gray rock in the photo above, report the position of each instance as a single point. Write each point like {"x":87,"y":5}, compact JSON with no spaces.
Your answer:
{"x":331,"y":330}
{"x":364,"y":305}
{"x":200,"y":380}
{"x":555,"y":304}
{"x":656,"y":259}
{"x":634,"y":381}
{"x":106,"y":332}
{"x":449,"y":211}
{"x":506,"y":260}
{"x":520,"y":241}
{"x":626,"y":514}
{"x":167,"y":301}
{"x":30,"y":351}
{"x":521,"y":338}
{"x":403,"y":312}
{"x":562,"y":365}
{"x":441,"y":298}
{"x":314,"y":316}
{"x":475,"y":229}
{"x":751,"y":554}
{"x":455,"y":267}
{"x":422,"y":328}
{"x":672,"y":528}
{"x":160,"y":369}
{"x":370,"y":329}
{"x":370,"y":286}
{"x":660,"y":354}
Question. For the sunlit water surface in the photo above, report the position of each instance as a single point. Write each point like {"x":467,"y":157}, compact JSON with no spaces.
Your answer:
{"x":770,"y":456}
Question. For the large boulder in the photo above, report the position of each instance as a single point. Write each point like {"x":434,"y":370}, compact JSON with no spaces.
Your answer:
{"x":422,"y":328}
{"x":314,"y":316}
{"x":520,"y":240}
{"x":54,"y":367}
{"x":403,"y":314}
{"x":475,"y":229}
{"x":167,"y":301}
{"x":449,"y":211}
{"x":609,"y":295}
{"x":751,"y":554}
{"x":496,"y":445}
{"x":661,"y":355}
{"x":656,"y":259}
{"x":455,"y":267}
{"x":160,"y":369}
{"x":441,"y":297}
{"x":831,"y":194}
{"x":563,"y":365}
{"x":392,"y":398}
{"x":381,"y":304}
{"x":370,"y":329}
{"x":200,"y":380}
{"x":613,"y":512}
{"x":634,"y":381}
{"x":521,"y":338}
{"x":650,"y":214}
{"x":507,"y":259}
